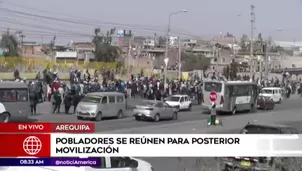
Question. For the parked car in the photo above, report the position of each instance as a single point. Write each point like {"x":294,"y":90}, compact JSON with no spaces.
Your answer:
{"x":182,"y":102}
{"x":265,"y":103}
{"x":154,"y":110}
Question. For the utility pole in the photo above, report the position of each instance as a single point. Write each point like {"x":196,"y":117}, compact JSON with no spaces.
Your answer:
{"x":179,"y":58}
{"x":22,"y":36}
{"x":266,"y":59}
{"x":52,"y":48}
{"x":167,"y":51}
{"x":252,"y":37}
{"x":129,"y":52}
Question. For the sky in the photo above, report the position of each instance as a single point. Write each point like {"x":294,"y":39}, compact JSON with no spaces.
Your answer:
{"x":75,"y":20}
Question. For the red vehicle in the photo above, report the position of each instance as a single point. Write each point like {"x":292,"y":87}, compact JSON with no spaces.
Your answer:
{"x":265,"y":103}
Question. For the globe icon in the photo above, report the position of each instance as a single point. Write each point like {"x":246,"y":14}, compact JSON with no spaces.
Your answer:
{"x":32,"y":145}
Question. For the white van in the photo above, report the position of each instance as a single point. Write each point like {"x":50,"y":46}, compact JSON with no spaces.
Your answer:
{"x":110,"y":164}
{"x":273,"y":92}
{"x":99,"y":105}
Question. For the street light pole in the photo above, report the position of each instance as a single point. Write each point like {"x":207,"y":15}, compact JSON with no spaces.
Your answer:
{"x":179,"y":58}
{"x":167,"y":41}
{"x":252,"y":37}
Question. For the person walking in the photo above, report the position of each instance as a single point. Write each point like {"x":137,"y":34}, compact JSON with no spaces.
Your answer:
{"x":67,"y":102}
{"x":57,"y":101}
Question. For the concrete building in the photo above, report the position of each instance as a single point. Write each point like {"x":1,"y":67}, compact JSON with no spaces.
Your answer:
{"x":32,"y":49}
{"x":82,"y":46}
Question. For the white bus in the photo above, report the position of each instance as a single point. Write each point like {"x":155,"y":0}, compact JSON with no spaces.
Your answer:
{"x":232,"y":96}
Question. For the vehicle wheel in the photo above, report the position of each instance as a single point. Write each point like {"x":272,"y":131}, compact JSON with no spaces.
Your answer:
{"x":253,"y":109}
{"x":280,"y":101}
{"x":137,"y":118}
{"x":156,"y":118}
{"x":178,"y":108}
{"x":120,"y":114}
{"x":4,"y":118}
{"x":175,"y":116}
{"x":234,"y":111}
{"x":80,"y":118}
{"x":226,"y":168}
{"x":190,"y":107}
{"x":99,"y":117}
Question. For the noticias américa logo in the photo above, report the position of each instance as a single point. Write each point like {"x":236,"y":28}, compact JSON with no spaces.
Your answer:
{"x":32,"y":145}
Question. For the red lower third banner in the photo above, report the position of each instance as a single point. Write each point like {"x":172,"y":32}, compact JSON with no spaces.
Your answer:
{"x":47,"y":127}
{"x":24,"y":145}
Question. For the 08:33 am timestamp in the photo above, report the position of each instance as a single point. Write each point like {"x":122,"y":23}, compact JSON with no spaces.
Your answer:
{"x":31,"y":162}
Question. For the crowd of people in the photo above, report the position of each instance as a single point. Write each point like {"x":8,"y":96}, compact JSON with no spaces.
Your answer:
{"x":49,"y":87}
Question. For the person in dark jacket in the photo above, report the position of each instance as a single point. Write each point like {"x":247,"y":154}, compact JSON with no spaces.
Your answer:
{"x":33,"y":98}
{"x":57,"y":101}
{"x":76,"y":100}
{"x":67,"y":102}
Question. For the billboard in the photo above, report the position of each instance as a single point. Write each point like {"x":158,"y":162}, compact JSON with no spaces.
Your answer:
{"x":124,"y":33}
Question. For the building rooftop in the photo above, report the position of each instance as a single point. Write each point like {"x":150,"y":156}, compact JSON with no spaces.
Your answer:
{"x":288,"y":44}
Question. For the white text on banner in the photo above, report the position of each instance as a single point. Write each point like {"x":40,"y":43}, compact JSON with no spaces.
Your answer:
{"x":164,"y":145}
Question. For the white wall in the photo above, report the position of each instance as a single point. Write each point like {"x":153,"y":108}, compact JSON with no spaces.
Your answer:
{"x":66,"y":54}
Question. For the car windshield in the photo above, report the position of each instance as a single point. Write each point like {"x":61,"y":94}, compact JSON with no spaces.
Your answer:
{"x":266,"y":91}
{"x":173,"y":99}
{"x":146,"y":103}
{"x":212,"y":86}
{"x":92,"y":99}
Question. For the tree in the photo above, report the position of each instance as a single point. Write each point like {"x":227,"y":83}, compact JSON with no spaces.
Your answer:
{"x":243,"y":41}
{"x":233,"y":70}
{"x":194,"y":62}
{"x":226,"y":72}
{"x":229,"y":35}
{"x":260,"y":37}
{"x":11,"y":44}
{"x":104,"y":51}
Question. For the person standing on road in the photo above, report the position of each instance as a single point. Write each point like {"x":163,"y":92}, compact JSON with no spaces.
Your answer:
{"x":199,"y":94}
{"x":76,"y":100}
{"x":57,"y":101}
{"x":33,"y":98}
{"x":67,"y":102}
{"x":213,"y":114}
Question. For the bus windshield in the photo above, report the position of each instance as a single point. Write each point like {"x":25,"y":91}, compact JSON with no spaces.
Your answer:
{"x":266,"y":91}
{"x":212,"y":86}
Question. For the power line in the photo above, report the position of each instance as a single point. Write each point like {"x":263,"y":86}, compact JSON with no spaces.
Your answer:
{"x":94,"y":24}
{"x":42,"y":27}
{"x":90,"y":20}
{"x":38,"y":19}
{"x":37,"y":31}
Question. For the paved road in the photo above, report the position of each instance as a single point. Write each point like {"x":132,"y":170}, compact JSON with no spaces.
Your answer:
{"x":292,"y":117}
{"x":289,"y":113}
{"x":127,"y":123}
